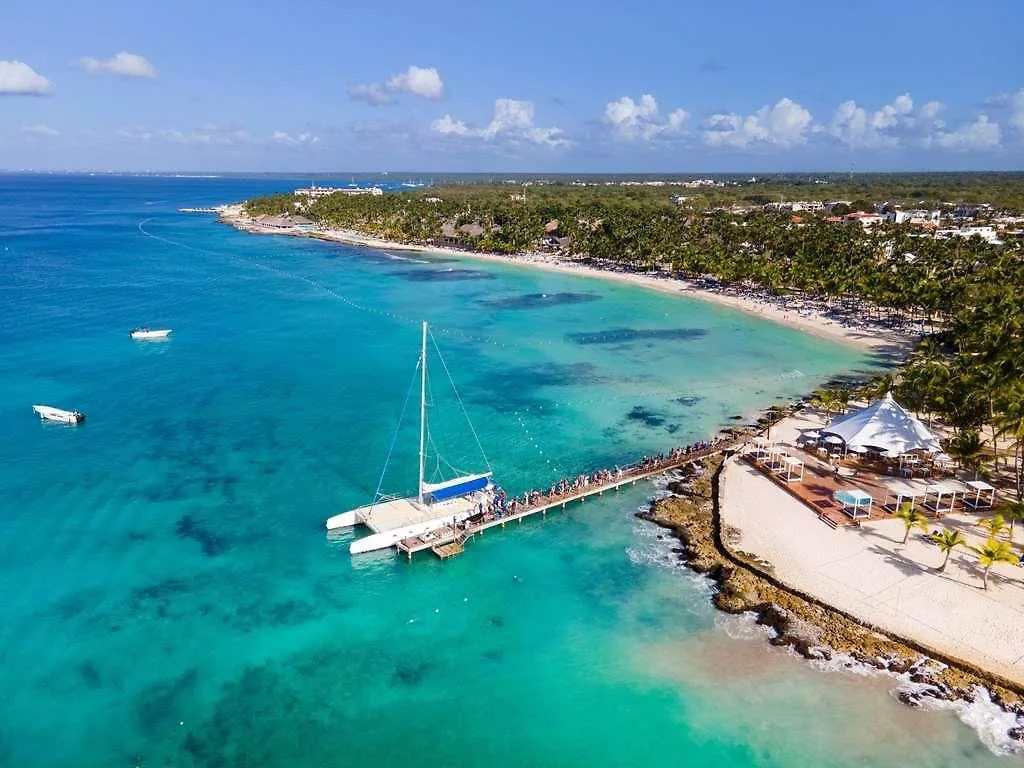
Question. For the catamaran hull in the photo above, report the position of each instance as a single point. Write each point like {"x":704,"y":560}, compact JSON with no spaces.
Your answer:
{"x":344,"y":520}
{"x":391,"y":538}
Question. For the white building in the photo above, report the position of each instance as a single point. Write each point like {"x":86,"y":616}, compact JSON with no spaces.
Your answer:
{"x":864,"y":219}
{"x":988,"y":234}
{"x":314,"y":192}
{"x":918,"y":216}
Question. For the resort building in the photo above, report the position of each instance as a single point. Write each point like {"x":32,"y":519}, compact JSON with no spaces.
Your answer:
{"x":988,"y":234}
{"x":286,"y":221}
{"x":914,"y":217}
{"x":314,"y":192}
{"x":864,"y":219}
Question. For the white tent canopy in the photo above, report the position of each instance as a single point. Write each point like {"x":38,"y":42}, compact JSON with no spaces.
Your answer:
{"x":884,"y":425}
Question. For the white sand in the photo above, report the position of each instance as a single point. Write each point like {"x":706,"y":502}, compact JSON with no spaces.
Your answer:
{"x":867,"y":572}
{"x":868,"y":336}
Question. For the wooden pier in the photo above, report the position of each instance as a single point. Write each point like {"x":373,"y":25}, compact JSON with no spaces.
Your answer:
{"x":450,"y":541}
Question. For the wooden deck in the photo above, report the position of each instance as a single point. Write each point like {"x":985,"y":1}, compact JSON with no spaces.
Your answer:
{"x":820,"y":483}
{"x":439,"y":540}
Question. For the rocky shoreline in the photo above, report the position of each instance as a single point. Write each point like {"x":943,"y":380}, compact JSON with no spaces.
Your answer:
{"x":810,"y":628}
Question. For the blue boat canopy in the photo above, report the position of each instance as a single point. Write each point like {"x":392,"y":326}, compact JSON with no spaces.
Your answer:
{"x":450,"y":489}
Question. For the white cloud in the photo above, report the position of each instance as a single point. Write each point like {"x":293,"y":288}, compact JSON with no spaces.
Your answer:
{"x":931,"y":110}
{"x":856,"y":127}
{"x":1017,"y":110}
{"x":419,"y":81}
{"x":134,"y":133}
{"x":207,"y":135}
{"x":124,"y":64}
{"x":371,"y":93}
{"x":448,"y":126}
{"x":298,"y":140}
{"x":640,"y":119}
{"x":18,"y":78}
{"x":39,"y":131}
{"x":980,"y":134}
{"x":512,"y":121}
{"x":785,"y":124}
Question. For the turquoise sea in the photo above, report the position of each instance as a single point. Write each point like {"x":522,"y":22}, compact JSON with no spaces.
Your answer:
{"x":168,"y":596}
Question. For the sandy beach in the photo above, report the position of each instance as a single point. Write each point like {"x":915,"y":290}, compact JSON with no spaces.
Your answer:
{"x":807,"y":315}
{"x":867,"y":572}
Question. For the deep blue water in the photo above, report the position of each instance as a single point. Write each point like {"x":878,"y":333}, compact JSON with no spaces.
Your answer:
{"x":168,"y":595}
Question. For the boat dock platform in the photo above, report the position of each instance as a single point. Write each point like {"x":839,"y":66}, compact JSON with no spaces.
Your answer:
{"x":450,"y":541}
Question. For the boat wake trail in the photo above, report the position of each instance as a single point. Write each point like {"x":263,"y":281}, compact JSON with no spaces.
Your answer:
{"x":396,"y":257}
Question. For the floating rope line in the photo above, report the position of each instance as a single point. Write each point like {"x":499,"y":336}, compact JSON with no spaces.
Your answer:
{"x":533,"y":443}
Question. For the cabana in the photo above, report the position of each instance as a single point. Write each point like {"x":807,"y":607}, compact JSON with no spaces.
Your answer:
{"x":940,"y":498}
{"x":902,"y":493}
{"x":884,"y":425}
{"x":777,"y":455}
{"x":856,"y":503}
{"x":792,"y":470}
{"x":984,"y":495}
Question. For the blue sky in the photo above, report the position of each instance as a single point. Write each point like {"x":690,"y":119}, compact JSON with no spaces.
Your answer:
{"x":527,"y":86}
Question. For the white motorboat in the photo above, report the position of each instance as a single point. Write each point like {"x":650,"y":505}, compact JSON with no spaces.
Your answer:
{"x":49,"y":413}
{"x":436,"y":505}
{"x":145,"y":334}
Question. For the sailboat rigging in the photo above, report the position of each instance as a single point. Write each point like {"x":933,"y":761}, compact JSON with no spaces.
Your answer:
{"x":436,"y":504}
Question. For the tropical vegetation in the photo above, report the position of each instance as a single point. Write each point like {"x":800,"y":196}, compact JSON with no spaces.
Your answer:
{"x":947,"y":540}
{"x":991,"y":552}
{"x":911,"y":518}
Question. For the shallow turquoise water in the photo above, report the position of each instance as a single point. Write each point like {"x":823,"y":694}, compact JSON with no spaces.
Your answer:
{"x":168,"y":594}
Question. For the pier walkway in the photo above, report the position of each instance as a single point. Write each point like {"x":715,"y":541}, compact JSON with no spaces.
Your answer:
{"x":450,"y":540}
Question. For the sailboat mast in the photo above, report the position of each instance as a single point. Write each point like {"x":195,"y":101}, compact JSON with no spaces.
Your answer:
{"x":423,"y":405}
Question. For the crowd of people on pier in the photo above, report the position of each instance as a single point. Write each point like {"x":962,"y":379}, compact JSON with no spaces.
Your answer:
{"x":500,"y":505}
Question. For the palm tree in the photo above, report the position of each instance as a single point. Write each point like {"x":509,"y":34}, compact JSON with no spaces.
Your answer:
{"x":948,"y":540}
{"x":911,"y":519}
{"x":994,"y":525}
{"x":968,"y":449}
{"x":827,"y":400}
{"x":1013,"y":511}
{"x":991,"y":552}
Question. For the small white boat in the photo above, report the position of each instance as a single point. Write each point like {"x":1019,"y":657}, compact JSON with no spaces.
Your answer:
{"x":145,"y":334}
{"x":49,"y":413}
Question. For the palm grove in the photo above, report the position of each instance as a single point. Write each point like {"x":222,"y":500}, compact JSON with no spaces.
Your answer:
{"x":968,"y":293}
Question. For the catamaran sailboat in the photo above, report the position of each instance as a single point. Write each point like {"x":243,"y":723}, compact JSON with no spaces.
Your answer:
{"x":436,"y":505}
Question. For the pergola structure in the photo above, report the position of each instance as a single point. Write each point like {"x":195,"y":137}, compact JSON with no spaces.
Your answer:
{"x":856,"y":503}
{"x":984,"y":495}
{"x":902,"y":493}
{"x":792,"y":470}
{"x":940,"y":498}
{"x":777,"y":455}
